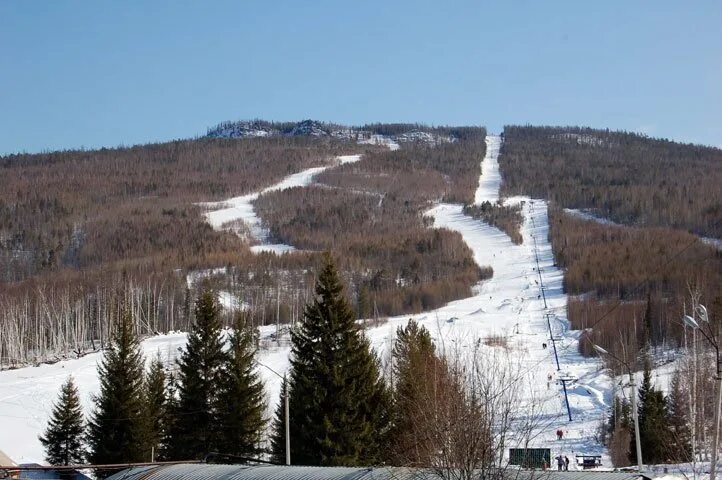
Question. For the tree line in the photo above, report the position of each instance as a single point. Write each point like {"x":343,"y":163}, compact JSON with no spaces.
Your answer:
{"x":648,"y":272}
{"x":507,"y":218}
{"x":626,"y":177}
{"x":344,"y":410}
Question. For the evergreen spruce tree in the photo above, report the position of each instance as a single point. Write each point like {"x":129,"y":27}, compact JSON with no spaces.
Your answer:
{"x":194,"y":428}
{"x":653,"y":417}
{"x":64,"y":438}
{"x":171,"y":406}
{"x":364,"y":303}
{"x":338,"y":400}
{"x":680,"y":443}
{"x":278,"y":428}
{"x":154,"y":394}
{"x":241,"y":401}
{"x":646,"y":338}
{"x":416,"y":373}
{"x":117,"y":424}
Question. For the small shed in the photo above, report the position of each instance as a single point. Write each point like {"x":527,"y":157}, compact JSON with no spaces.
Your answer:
{"x":534,"y":458}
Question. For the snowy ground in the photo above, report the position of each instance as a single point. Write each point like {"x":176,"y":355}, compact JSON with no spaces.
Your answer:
{"x":510,"y":304}
{"x":27,"y":395}
{"x":381,"y":140}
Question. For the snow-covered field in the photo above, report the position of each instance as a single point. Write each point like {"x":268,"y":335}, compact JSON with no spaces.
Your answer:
{"x":511,"y":305}
{"x":27,"y":395}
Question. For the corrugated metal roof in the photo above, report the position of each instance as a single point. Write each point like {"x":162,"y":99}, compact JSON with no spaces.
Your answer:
{"x":241,"y":472}
{"x":572,"y":475}
{"x":274,"y":472}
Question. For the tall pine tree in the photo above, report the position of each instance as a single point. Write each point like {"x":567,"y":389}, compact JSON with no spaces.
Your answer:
{"x":64,"y":438}
{"x":338,"y":400}
{"x":680,"y":441}
{"x":241,"y":401}
{"x":154,"y":395}
{"x":194,"y":428}
{"x":653,"y":428}
{"x":117,"y":425}
{"x":417,"y":373}
{"x":278,"y":428}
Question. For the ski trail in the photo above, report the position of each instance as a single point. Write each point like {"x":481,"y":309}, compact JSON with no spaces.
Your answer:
{"x":224,"y":213}
{"x":490,"y":179}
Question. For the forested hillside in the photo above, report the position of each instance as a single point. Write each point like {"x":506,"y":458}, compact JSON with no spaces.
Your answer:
{"x":628,"y":178}
{"x":82,"y":231}
{"x":372,"y":212}
{"x":649,"y":271}
{"x":80,"y":209}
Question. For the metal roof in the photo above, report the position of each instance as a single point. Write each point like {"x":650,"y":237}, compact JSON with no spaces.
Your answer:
{"x":277,"y":472}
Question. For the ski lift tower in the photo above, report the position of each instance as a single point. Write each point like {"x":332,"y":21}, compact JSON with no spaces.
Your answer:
{"x":565,"y":379}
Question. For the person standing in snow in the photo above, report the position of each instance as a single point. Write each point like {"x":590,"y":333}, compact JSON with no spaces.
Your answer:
{"x":560,"y":463}
{"x":566,"y":463}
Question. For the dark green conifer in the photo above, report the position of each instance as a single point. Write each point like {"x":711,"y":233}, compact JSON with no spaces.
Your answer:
{"x":154,"y":393}
{"x":117,"y":425}
{"x":653,"y":417}
{"x":171,"y":407}
{"x":194,"y":429}
{"x":278,"y":428}
{"x":241,"y":402}
{"x":417,"y":372}
{"x":64,"y":438}
{"x":338,"y":400}
{"x":680,"y":441}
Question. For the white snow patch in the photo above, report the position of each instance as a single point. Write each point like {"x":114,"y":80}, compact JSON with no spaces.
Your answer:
{"x":195,"y":276}
{"x":585,"y":215}
{"x":276,"y":248}
{"x":231,"y":302}
{"x":380,"y":140}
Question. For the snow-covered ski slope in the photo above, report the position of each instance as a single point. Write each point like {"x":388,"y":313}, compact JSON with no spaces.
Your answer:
{"x":490,"y":180}
{"x":241,"y":208}
{"x":510,"y":304}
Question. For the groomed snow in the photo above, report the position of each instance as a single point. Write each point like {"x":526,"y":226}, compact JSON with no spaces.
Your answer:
{"x":490,"y":180}
{"x":509,"y":304}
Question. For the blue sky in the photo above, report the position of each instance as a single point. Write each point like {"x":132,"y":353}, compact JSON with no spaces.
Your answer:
{"x":97,"y":73}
